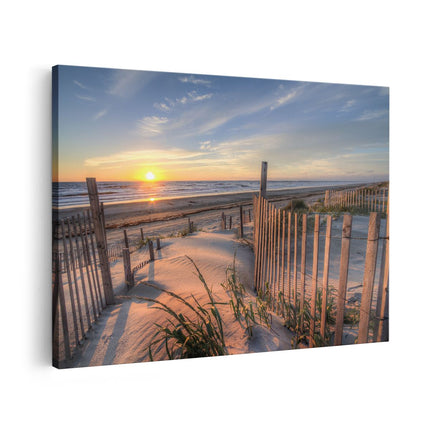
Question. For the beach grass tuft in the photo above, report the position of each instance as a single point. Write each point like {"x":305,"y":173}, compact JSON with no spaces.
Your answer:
{"x":199,"y":334}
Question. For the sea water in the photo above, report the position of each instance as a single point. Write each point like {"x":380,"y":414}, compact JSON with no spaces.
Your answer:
{"x":70,"y":194}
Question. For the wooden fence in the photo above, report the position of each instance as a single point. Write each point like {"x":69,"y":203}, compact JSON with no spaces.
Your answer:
{"x":228,"y":222}
{"x":373,"y":199}
{"x":78,"y":293}
{"x":296,"y":273}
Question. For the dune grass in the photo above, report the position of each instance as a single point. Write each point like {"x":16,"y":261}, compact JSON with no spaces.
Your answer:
{"x":199,"y":334}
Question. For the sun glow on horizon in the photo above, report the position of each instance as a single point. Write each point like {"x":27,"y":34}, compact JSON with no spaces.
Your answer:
{"x":150,"y":176}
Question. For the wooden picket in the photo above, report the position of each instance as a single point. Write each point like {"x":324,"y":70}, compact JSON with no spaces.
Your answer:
{"x":280,"y":245}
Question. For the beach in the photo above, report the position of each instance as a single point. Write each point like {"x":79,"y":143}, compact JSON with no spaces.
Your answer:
{"x":165,"y":216}
{"x":121,"y":333}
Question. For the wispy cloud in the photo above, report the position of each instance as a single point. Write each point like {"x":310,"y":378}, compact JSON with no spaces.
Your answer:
{"x":150,"y":156}
{"x":86,"y":98}
{"x":347,"y":106}
{"x":80,"y":85}
{"x":191,"y":97}
{"x":100,"y":114}
{"x":126,"y":83}
{"x":284,"y":98}
{"x":151,"y":125}
{"x":206,"y":145}
{"x":372,"y":114}
{"x":163,"y":107}
{"x":195,"y":81}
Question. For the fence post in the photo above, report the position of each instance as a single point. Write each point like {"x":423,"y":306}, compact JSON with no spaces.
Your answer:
{"x":100,"y":240}
{"x":190,"y":228}
{"x":325,"y":277}
{"x":151,"y":250}
{"x":343,"y":277}
{"x":369,"y":276}
{"x":141,"y":234}
{"x":263,"y":181}
{"x":125,"y":239}
{"x":129,"y":278}
{"x":326,"y":198}
{"x":230,"y":221}
{"x":240,"y":221}
{"x":223,"y":221}
{"x":158,"y":244}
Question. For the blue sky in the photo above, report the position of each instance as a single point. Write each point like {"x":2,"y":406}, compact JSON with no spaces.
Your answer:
{"x":120,"y":124}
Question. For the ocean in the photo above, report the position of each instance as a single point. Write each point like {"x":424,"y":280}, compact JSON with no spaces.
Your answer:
{"x":73,"y":194}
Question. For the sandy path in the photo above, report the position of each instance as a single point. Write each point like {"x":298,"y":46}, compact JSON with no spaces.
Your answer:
{"x":122,"y":333}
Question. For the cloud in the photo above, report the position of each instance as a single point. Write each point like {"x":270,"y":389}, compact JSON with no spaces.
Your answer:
{"x":86,"y":98}
{"x":194,"y":97}
{"x":372,"y":114}
{"x":151,"y":125}
{"x":195,"y":81}
{"x":191,"y":97}
{"x":206,"y":145}
{"x":126,"y":83}
{"x":151,"y":156}
{"x":347,"y":106}
{"x":285,"y":98}
{"x":80,"y":85}
{"x":100,"y":114}
{"x":162,"y":106}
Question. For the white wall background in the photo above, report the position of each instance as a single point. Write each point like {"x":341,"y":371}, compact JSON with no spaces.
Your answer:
{"x":379,"y":43}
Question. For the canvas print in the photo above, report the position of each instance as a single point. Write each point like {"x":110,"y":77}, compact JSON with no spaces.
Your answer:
{"x":202,"y":216}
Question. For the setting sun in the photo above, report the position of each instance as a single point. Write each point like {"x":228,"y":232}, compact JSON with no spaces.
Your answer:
{"x":150,"y":176}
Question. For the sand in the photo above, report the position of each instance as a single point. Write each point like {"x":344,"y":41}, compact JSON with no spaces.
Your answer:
{"x":122,"y":333}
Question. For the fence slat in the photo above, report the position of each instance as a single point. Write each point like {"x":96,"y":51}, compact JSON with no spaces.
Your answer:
{"x":283,"y":256}
{"x":73,"y":265}
{"x":314,"y":279}
{"x":81,"y":272}
{"x":325,"y":277}
{"x":382,"y":326}
{"x":86,"y":264}
{"x":289,"y":264}
{"x":303,"y":270}
{"x":62,"y":302}
{"x":69,"y":281}
{"x":295,"y":261}
{"x":343,"y":277}
{"x":369,"y":276}
{"x":93,"y":251}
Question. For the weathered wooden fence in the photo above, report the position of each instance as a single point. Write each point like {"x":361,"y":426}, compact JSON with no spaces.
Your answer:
{"x":243,"y":216}
{"x":295,"y":271}
{"x":373,"y":199}
{"x":78,"y":293}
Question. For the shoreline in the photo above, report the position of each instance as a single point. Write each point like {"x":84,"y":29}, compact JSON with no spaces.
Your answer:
{"x":134,"y":213}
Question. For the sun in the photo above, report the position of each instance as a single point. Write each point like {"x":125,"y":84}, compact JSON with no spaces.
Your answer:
{"x":150,"y":176}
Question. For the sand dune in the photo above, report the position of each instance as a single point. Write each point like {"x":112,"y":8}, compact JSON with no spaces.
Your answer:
{"x":122,"y":333}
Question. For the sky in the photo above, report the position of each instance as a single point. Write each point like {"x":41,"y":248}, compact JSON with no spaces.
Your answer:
{"x":119,"y":125}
